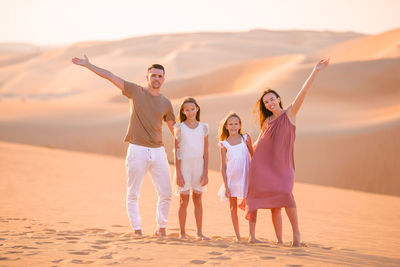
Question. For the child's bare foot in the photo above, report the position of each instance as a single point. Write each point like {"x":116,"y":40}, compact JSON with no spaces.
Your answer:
{"x":160,"y":232}
{"x":296,"y":244}
{"x":202,"y":237}
{"x":138,"y":232}
{"x":254,"y":240}
{"x":183,"y":236}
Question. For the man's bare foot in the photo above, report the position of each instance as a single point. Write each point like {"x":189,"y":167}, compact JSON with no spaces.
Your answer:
{"x":202,"y":237}
{"x":279,"y":243}
{"x":138,"y":232}
{"x":160,"y":232}
{"x":254,"y":240}
{"x":238,"y":239}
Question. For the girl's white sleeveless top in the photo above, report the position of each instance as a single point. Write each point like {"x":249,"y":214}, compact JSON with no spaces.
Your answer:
{"x":237,"y":168}
{"x":190,"y":141}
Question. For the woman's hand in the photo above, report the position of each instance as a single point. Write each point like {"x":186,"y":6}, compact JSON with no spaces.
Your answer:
{"x":322,"y":64}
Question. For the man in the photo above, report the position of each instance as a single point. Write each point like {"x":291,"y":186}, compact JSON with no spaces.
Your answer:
{"x":148,"y":107}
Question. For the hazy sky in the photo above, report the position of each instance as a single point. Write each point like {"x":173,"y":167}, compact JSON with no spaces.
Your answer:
{"x":67,"y":21}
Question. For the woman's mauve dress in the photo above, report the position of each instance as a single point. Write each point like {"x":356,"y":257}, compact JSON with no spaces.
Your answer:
{"x":271,"y":173}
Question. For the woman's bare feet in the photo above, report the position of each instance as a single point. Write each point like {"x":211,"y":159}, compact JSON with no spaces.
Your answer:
{"x":202,"y":237}
{"x":254,"y":240}
{"x":296,"y":240}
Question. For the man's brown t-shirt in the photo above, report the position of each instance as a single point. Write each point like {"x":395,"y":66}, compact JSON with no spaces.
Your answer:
{"x":146,"y":115}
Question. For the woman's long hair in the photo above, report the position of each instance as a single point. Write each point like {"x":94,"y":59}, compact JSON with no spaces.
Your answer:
{"x":223,"y":132}
{"x":182,"y":116}
{"x":259,"y":107}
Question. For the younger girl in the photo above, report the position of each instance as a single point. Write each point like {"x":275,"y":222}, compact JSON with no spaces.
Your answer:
{"x":191,"y":158}
{"x":235,"y":148}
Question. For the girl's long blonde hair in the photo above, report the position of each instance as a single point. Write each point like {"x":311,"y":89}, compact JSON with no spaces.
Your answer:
{"x":223,"y":133}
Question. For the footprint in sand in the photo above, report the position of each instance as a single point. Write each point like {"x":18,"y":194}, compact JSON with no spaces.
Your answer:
{"x":24,"y":247}
{"x":32,"y":254}
{"x":135,"y":259}
{"x":72,"y":238}
{"x":13,"y":252}
{"x":44,"y":242}
{"x":57,"y":261}
{"x":95,"y":230}
{"x":197,"y":262}
{"x":347,"y":249}
{"x":299,"y":254}
{"x":39,"y":237}
{"x":175,"y":243}
{"x":83,"y":252}
{"x":4,"y":259}
{"x":99,"y":247}
{"x":106,"y":257}
{"x":221,"y":258}
{"x":117,"y":225}
{"x":215,"y":253}
{"x":234,"y":250}
{"x":102,"y":241}
{"x":267,"y":257}
{"x":81,"y":262}
{"x":328,"y":248}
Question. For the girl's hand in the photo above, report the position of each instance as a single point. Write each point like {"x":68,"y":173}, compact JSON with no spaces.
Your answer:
{"x":322,"y":64}
{"x":179,"y":180}
{"x":227,"y":193}
{"x":204,"y":179}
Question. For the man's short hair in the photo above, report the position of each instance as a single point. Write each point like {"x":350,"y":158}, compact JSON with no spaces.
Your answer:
{"x":156,"y":66}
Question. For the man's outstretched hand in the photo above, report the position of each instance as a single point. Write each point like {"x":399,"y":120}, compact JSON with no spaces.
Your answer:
{"x":81,"y":61}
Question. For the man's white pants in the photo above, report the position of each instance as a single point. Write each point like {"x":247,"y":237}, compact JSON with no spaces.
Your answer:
{"x":139,"y":159}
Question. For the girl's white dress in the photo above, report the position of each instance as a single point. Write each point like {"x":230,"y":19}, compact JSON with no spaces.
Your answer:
{"x":190,"y":152}
{"x":237,"y":168}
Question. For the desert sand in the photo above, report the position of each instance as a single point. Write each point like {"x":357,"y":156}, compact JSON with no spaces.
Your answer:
{"x":62,"y":170}
{"x":62,"y":208}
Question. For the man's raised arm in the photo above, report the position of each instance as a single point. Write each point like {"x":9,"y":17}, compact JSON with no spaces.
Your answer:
{"x":99,"y":71}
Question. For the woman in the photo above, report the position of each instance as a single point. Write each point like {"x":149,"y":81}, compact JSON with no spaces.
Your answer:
{"x":271,"y":173}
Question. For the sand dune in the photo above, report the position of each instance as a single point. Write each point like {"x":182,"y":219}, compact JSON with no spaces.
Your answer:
{"x":61,"y":207}
{"x":384,"y":45}
{"x":353,"y":100}
{"x":184,"y":55}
